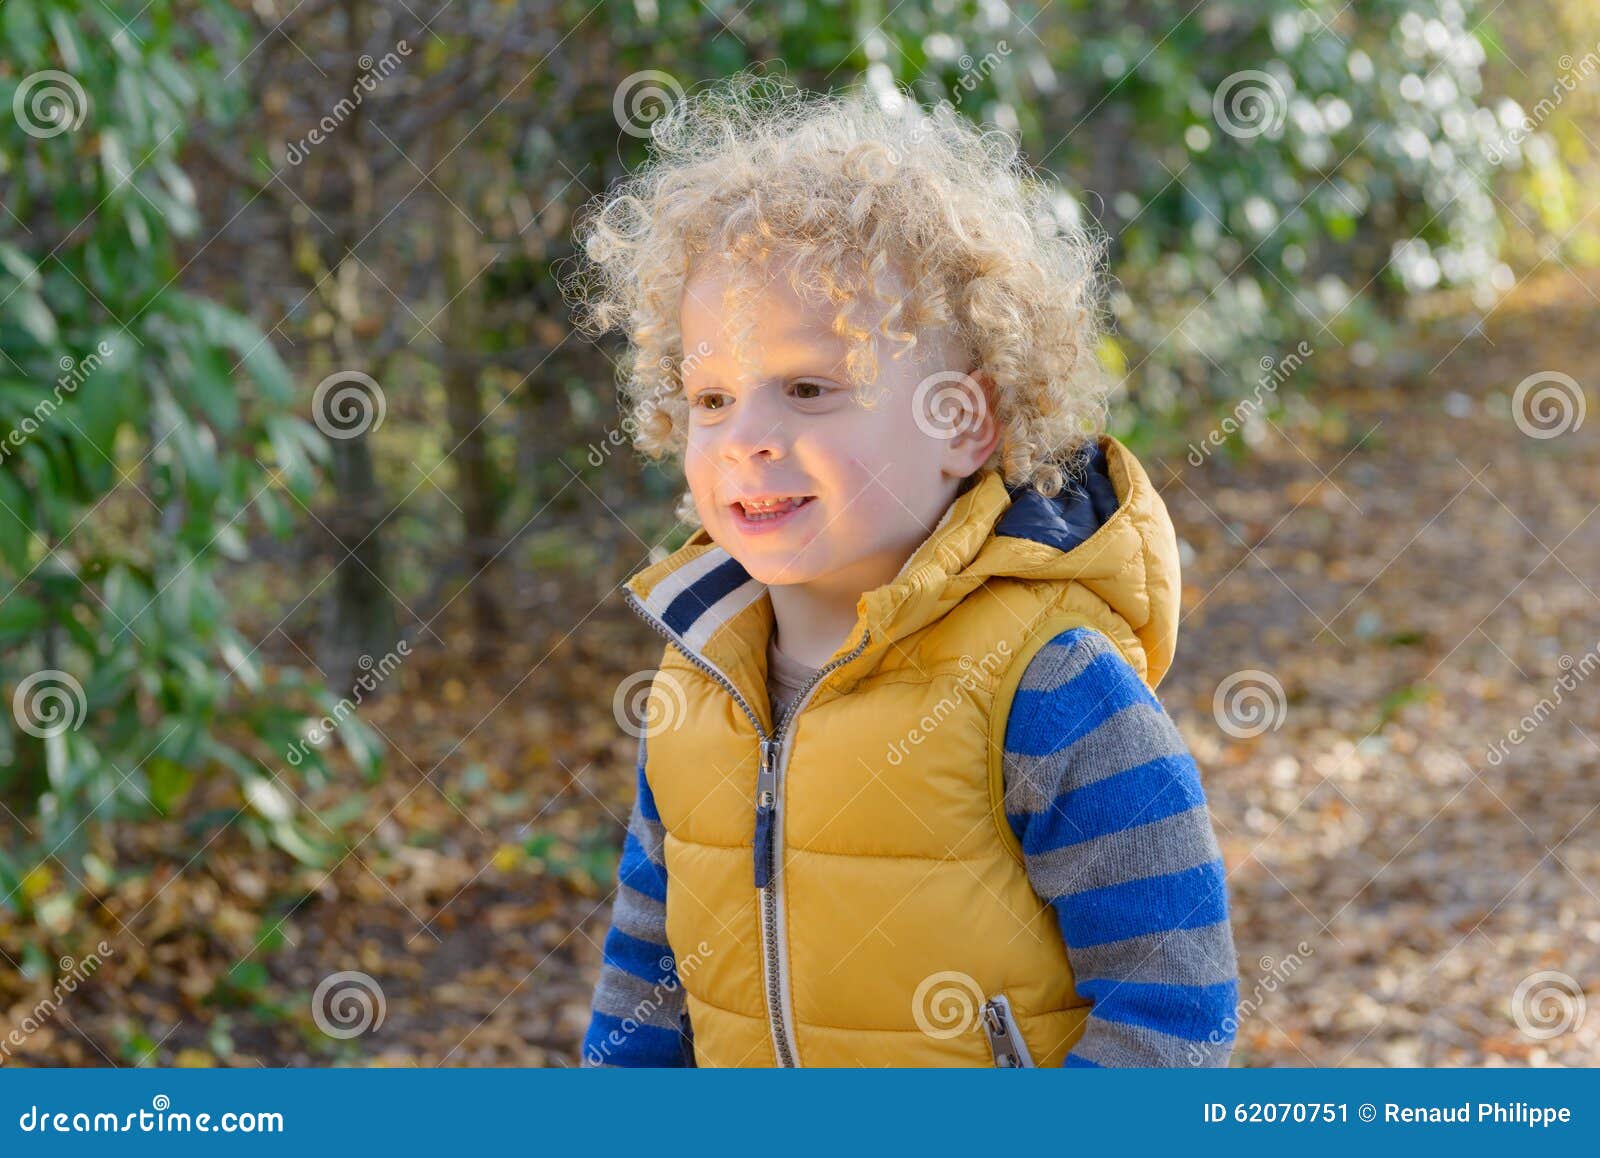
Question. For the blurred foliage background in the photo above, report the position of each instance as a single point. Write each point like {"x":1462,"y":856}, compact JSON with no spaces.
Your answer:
{"x":211,"y":210}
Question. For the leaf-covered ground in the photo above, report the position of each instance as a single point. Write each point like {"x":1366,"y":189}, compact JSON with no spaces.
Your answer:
{"x":1413,"y":570}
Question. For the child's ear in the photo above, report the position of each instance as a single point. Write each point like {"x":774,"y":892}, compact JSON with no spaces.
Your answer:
{"x":979,"y":434}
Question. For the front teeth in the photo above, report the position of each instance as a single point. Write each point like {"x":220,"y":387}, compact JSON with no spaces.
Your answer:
{"x":758,"y":513}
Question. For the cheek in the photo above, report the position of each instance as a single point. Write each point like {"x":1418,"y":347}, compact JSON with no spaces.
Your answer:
{"x":696,"y":460}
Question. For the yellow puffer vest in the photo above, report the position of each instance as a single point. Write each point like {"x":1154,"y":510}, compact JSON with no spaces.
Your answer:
{"x":896,"y":925}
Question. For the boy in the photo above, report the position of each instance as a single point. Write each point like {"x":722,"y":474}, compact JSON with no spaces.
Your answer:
{"x":905,"y":796}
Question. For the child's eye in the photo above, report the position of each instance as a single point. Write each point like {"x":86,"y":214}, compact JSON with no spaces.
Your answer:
{"x":705,"y":398}
{"x":818,"y":388}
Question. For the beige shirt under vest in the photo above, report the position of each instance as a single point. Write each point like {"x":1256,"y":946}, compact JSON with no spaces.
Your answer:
{"x":785,"y":677}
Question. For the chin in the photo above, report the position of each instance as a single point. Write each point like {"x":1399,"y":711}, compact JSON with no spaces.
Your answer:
{"x":775,"y":569}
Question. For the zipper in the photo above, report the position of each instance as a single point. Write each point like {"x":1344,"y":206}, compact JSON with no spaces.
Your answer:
{"x":1005,"y":1038}
{"x":768,"y":834}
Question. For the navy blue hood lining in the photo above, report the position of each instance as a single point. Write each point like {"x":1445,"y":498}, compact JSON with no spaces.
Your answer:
{"x":1067,"y":520}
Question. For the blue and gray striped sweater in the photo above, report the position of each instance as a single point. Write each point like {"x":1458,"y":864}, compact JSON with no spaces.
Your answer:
{"x":1107,"y":804}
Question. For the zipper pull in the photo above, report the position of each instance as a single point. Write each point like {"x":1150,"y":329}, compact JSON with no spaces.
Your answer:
{"x":767,"y":778}
{"x":766,"y":806}
{"x":1005,"y":1039}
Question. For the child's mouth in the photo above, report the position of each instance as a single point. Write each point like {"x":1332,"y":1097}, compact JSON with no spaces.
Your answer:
{"x":757,"y":517}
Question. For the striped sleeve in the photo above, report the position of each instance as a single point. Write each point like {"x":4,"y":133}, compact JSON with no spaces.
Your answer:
{"x":1107,"y":804}
{"x":638,"y":1016}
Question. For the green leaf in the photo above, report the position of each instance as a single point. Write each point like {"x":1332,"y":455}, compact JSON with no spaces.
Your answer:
{"x":256,"y":353}
{"x":362,"y":744}
{"x":67,"y":43}
{"x":210,"y":383}
{"x":18,"y":266}
{"x":35,"y":317}
{"x":239,"y":658}
{"x":293,"y":841}
{"x":20,"y":616}
{"x":169,"y":782}
{"x":268,"y":800}
{"x":290,"y":443}
{"x":197,"y":452}
{"x":15,"y":535}
{"x":248,"y":976}
{"x":24,"y":34}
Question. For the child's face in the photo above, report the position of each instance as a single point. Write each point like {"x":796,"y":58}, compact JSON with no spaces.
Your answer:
{"x":876,"y":481}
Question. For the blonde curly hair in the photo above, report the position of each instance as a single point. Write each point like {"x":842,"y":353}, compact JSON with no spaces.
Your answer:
{"x":848,"y":187}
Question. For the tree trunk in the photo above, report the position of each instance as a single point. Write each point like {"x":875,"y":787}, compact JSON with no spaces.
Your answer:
{"x":359,"y":619}
{"x":469,"y":436}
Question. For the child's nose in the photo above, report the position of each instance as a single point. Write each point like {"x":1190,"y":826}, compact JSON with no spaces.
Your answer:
{"x":755,"y":426}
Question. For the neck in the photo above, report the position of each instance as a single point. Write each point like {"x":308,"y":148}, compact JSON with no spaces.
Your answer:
{"x":813,"y":620}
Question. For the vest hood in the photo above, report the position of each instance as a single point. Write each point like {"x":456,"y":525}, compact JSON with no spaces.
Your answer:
{"x":1109,"y":532}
